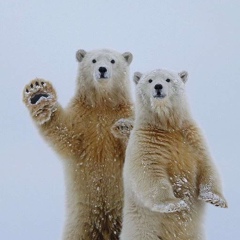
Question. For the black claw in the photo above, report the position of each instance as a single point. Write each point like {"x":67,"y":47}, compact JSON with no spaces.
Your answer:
{"x":31,"y":85}
{"x":27,"y":90}
{"x":37,"y":84}
{"x":36,"y":97}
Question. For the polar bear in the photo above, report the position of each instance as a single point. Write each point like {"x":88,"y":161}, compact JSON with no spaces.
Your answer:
{"x":168,"y":172}
{"x":81,"y":134}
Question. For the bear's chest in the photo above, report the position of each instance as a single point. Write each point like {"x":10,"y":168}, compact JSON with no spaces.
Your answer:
{"x":97,"y":135}
{"x":170,"y":151}
{"x":100,"y":154}
{"x":97,"y":168}
{"x":181,"y":164}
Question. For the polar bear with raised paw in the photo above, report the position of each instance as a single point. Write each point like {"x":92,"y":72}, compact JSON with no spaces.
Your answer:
{"x":168,"y":171}
{"x":82,"y":135}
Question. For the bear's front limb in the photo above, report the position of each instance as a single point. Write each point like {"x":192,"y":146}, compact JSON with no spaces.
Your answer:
{"x":210,"y":189}
{"x":122,"y":128}
{"x":207,"y":194}
{"x":161,"y":199}
{"x":152,"y":188}
{"x":209,"y":181}
{"x":53,"y":122}
{"x":41,"y":100}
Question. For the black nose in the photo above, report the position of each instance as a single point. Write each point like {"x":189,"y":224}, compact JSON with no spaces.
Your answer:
{"x":102,"y":69}
{"x":158,"y":86}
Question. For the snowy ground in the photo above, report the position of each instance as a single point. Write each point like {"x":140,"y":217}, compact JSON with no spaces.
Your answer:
{"x":40,"y":38}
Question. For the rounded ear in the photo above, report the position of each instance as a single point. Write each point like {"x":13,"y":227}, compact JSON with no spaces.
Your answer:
{"x":80,"y":54}
{"x":136,"y":77}
{"x":128,"y":57}
{"x":183,"y":75}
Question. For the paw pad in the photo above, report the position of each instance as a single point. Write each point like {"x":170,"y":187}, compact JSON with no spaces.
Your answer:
{"x":36,"y":97}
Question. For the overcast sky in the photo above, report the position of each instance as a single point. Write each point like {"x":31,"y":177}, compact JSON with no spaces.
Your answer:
{"x":40,"y":38}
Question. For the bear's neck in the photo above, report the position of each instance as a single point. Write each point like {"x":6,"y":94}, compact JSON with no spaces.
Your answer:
{"x":103,"y":96}
{"x":162,"y":117}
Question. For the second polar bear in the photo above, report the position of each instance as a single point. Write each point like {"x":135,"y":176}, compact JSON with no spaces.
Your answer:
{"x":168,"y":172}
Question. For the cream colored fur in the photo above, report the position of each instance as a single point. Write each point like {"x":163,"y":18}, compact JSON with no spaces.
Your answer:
{"x":81,"y":135}
{"x":168,"y":171}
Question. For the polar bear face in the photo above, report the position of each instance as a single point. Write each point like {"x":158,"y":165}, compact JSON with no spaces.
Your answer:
{"x":103,"y":67}
{"x":160,"y":87}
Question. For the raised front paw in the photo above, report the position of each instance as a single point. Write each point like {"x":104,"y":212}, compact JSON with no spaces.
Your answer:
{"x":214,"y":198}
{"x":169,"y":206}
{"x":122,"y":128}
{"x":40,"y":98}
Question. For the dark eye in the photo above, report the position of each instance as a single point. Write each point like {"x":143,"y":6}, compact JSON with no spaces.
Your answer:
{"x":94,"y":60}
{"x":112,"y":61}
{"x":168,"y":80}
{"x":150,"y":80}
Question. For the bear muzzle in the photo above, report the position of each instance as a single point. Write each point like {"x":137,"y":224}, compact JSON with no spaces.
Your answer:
{"x":102,"y":73}
{"x":158,"y":91}
{"x":159,"y":95}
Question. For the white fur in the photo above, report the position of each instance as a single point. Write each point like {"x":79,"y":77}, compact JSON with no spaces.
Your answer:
{"x":81,"y":134}
{"x":175,"y":97}
{"x":93,"y":87}
{"x":167,"y":164}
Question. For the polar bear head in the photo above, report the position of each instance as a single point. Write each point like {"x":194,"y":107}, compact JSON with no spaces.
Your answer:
{"x":104,"y":72}
{"x":161,"y":92}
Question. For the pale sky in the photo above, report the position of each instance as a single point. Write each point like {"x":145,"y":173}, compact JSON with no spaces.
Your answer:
{"x":40,"y":38}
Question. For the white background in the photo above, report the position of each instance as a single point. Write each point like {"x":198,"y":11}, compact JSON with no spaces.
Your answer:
{"x":40,"y":38}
